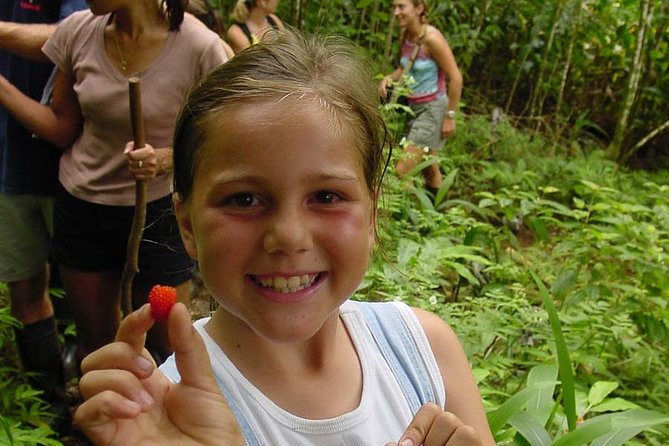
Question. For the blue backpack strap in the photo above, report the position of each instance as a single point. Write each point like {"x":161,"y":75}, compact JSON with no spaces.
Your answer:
{"x":392,"y":335}
{"x":249,"y":436}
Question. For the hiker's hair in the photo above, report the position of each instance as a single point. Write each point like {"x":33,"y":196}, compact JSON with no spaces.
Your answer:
{"x":241,"y":10}
{"x":175,"y":12}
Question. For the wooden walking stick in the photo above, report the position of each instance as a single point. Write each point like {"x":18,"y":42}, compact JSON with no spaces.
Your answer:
{"x":135,"y":237}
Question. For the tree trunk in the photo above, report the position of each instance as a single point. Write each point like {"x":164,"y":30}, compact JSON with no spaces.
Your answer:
{"x":628,"y":154}
{"x":534,"y":103}
{"x":389,"y":60}
{"x":645,"y":19}
{"x":576,"y":24}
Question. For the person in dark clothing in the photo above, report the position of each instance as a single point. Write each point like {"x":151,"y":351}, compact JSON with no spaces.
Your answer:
{"x":28,"y":178}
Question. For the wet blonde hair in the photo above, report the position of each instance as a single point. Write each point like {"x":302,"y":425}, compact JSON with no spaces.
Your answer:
{"x":287,"y":68}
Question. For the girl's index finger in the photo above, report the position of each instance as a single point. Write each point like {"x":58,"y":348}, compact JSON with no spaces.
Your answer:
{"x":134,"y":326}
{"x":190,"y":352}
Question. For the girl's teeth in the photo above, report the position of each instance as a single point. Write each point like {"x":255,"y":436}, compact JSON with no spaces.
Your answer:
{"x":287,"y":284}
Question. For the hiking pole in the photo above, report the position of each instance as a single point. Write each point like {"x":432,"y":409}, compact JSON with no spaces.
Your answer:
{"x":135,"y":237}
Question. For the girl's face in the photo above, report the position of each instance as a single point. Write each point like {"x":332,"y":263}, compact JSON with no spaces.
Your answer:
{"x":270,"y":5}
{"x":281,"y":220}
{"x":406,"y":13}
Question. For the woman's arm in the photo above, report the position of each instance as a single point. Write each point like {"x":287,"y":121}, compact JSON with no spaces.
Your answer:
{"x":464,"y":399}
{"x":277,"y":20}
{"x":440,"y":51}
{"x":389,"y":79}
{"x":25,"y":39}
{"x":58,"y":123}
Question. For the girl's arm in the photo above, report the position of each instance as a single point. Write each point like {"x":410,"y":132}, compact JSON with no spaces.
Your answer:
{"x":464,"y":399}
{"x":58,"y":123}
{"x":237,"y":39}
{"x":440,"y":51}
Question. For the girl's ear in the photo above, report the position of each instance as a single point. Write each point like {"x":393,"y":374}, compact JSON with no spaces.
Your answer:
{"x":185,"y":226}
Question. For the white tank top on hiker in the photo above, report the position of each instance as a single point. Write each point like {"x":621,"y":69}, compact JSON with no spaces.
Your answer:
{"x":384,"y":411}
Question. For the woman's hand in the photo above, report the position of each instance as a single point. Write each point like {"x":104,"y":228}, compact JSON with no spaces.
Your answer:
{"x":129,"y":401}
{"x":434,"y":427}
{"x":448,"y":128}
{"x":383,"y":86}
{"x":145,"y":163}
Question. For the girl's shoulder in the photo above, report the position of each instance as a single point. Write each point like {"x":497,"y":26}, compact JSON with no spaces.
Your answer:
{"x":433,"y":35}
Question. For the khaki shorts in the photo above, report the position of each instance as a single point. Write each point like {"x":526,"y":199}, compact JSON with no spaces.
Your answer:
{"x":26,"y":223}
{"x":424,"y":129}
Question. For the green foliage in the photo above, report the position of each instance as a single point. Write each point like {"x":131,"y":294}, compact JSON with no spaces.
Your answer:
{"x":22,"y":412}
{"x":551,"y":63}
{"x":517,"y":213}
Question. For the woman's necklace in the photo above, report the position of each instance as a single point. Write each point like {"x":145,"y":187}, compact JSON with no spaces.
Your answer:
{"x":122,"y":62}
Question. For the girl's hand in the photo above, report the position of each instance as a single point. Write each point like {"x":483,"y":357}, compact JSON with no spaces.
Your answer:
{"x":129,"y":401}
{"x":143,"y":163}
{"x":433,"y":427}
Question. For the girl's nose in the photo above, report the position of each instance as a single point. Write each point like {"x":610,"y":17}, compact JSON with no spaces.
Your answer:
{"x":288,"y":233}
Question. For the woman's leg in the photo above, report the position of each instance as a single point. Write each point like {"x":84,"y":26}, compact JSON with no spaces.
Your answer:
{"x":415,"y":155}
{"x":94,"y":299}
{"x":432,"y":173}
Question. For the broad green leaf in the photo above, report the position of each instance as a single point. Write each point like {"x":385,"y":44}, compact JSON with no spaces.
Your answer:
{"x":564,"y":282}
{"x":541,"y":404}
{"x":600,"y":390}
{"x":614,"y":405}
{"x":448,"y":181}
{"x":605,"y":427}
{"x":464,"y":272}
{"x":549,"y":189}
{"x":487,"y":202}
{"x":516,"y":403}
{"x":531,"y":428}
{"x":422,"y":165}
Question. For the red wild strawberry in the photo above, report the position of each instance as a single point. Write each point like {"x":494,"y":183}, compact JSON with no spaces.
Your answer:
{"x":161,"y":299}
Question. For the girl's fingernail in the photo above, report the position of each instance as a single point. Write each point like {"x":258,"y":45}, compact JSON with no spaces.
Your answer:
{"x":406,"y":442}
{"x":145,"y":400}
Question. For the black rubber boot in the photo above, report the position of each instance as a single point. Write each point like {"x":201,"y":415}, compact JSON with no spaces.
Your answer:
{"x":40,"y":353}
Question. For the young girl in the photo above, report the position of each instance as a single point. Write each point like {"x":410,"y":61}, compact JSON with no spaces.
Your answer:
{"x":252,"y":19}
{"x":433,"y":63}
{"x":96,"y":52}
{"x":278,"y":159}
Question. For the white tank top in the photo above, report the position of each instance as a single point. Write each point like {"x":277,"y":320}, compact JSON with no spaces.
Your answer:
{"x":384,"y":411}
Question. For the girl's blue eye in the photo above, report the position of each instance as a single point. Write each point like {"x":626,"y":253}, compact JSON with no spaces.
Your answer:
{"x":325,"y":196}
